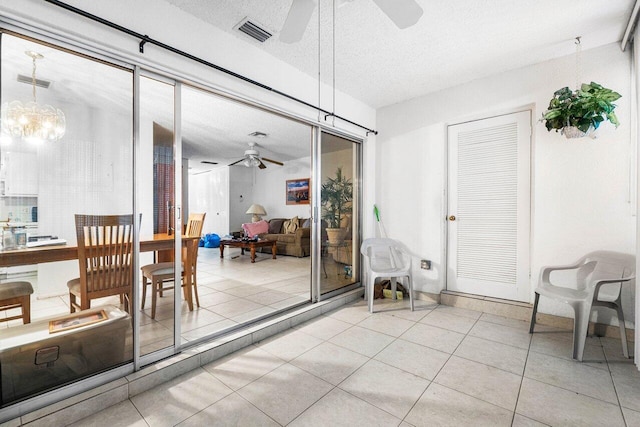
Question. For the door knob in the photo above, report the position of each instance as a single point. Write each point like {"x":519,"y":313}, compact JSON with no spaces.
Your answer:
{"x":452,"y":218}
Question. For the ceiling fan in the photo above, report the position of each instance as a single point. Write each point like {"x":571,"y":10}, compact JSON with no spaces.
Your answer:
{"x":252,"y":158}
{"x":403,"y":13}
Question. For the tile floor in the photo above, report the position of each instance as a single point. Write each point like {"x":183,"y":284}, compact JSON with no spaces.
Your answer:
{"x":232,"y":291}
{"x":438,"y":365}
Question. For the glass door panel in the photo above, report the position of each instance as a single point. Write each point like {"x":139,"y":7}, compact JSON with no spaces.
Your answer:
{"x":245,"y":167}
{"x":339,"y":193}
{"x":156,"y":168}
{"x":44,"y":184}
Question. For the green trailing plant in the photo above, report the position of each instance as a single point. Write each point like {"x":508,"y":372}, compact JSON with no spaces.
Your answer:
{"x":336,"y":195}
{"x":584,"y":108}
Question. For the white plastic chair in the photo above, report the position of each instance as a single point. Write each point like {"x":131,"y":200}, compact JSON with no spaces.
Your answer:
{"x":599,"y":278}
{"x":386,"y":258}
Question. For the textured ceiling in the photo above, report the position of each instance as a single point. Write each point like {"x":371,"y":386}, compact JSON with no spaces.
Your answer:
{"x":454,"y":42}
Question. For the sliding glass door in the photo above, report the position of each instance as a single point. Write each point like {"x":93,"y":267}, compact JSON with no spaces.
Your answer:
{"x":339,"y":213}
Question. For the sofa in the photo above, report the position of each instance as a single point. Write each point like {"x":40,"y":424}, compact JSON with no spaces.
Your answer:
{"x":297,"y":243}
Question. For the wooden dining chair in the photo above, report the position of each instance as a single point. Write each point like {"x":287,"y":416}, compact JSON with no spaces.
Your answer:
{"x":105,"y":258}
{"x":158,"y":274}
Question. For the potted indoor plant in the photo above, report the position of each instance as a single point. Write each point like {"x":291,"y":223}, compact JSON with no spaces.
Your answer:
{"x":577,"y":113}
{"x":336,"y":196}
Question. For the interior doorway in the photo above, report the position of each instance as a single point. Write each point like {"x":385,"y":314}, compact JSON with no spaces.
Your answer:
{"x":488,"y":220}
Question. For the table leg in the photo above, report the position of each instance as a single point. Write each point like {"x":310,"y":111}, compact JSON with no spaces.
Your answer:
{"x":253,"y":253}
{"x":273,"y":250}
{"x":221,"y":251}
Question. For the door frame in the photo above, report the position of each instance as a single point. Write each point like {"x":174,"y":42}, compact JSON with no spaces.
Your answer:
{"x":445,"y":194}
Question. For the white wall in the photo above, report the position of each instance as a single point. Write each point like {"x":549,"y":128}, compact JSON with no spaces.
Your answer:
{"x":270,"y":192}
{"x":209,"y":193}
{"x":580,"y":188}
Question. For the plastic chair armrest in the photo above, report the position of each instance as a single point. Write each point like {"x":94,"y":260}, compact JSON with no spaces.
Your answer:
{"x":545,"y":273}
{"x":598,"y":283}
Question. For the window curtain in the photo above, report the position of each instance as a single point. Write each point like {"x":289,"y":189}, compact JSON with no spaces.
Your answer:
{"x":163,"y":186}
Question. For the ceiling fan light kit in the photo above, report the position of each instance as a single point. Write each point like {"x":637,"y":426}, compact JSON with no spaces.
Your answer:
{"x":253,"y":159}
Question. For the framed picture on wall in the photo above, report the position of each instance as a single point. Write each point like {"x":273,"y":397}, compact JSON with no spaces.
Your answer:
{"x":297,"y":191}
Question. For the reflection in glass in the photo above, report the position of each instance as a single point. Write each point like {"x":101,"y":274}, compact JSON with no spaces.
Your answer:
{"x":339,"y":244}
{"x":43,"y":186}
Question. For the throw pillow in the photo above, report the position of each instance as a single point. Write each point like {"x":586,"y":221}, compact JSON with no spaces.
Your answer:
{"x":254,"y":228}
{"x":290,"y":226}
{"x":275,"y":225}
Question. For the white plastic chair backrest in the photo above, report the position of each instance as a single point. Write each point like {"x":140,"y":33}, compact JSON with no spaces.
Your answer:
{"x":385,"y":254}
{"x":608,"y":265}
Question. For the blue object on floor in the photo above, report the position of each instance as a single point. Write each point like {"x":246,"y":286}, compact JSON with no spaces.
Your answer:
{"x":211,"y":240}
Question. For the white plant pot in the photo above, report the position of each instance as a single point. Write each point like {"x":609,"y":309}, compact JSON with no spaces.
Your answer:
{"x":571,"y":132}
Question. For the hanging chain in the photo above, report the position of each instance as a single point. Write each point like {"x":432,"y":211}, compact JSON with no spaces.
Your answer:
{"x":33,"y":78}
{"x":578,"y":63}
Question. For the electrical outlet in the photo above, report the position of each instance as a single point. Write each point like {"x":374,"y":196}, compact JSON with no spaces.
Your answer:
{"x":425,"y":264}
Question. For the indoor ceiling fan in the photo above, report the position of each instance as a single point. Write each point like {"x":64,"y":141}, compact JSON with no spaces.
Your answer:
{"x":252,"y":158}
{"x":403,"y":13}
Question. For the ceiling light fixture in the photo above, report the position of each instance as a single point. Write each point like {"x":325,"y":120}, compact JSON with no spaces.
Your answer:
{"x":31,"y":120}
{"x":251,"y":162}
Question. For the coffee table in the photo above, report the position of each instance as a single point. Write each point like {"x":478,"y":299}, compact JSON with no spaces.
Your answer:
{"x":248,"y":244}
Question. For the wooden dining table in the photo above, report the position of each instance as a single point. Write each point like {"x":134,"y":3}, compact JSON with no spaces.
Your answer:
{"x":160,"y":242}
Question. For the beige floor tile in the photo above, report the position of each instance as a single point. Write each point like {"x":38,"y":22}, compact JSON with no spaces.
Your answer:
{"x":323,"y":327}
{"x":613,"y":349}
{"x":481,"y":381}
{"x":571,"y":375}
{"x":235,"y":307}
{"x":522,"y":421}
{"x":204,"y":331}
{"x":285,"y":392}
{"x":243,"y":366}
{"x":362,"y":340}
{"x":462,"y":312}
{"x":351,"y":314}
{"x":268,"y":297}
{"x":421,"y":309}
{"x":445,"y":320}
{"x":505,"y":321}
{"x":561,"y":345}
{"x":431,"y":336}
{"x":198,"y":318}
{"x":559,"y":407}
{"x":386,"y":387}
{"x":289,"y":344}
{"x":244,"y":291}
{"x":180,"y":398}
{"x":389,"y":325}
{"x":442,"y":406}
{"x":214,"y":298}
{"x":502,"y":334}
{"x":231,"y":411}
{"x":339,"y":408}
{"x":413,"y":358}
{"x":631,"y":417}
{"x":253,"y":314}
{"x":330,"y":362}
{"x":124,"y":414}
{"x":626,"y":380}
{"x":494,"y":354}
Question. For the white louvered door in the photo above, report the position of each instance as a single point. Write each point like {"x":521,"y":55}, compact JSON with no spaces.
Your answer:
{"x":489,"y":207}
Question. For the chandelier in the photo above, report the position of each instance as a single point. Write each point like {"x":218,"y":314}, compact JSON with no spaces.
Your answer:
{"x":31,"y":120}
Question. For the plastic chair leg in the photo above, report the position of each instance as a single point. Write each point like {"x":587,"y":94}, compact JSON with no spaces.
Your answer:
{"x":410,"y":290}
{"x":370,"y":293}
{"x":623,"y":331}
{"x":394,"y":287}
{"x":533,"y":314}
{"x":580,"y":329}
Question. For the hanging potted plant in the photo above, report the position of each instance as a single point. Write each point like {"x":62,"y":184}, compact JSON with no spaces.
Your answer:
{"x":336,"y":196}
{"x":578,"y":113}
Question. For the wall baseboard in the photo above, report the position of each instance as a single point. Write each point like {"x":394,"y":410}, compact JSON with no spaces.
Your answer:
{"x":520,"y":311}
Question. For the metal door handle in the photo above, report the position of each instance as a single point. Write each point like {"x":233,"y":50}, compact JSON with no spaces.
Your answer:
{"x":452,"y":218}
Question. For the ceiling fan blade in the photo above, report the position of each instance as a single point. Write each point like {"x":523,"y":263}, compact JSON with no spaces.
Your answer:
{"x":235,"y":163}
{"x":403,"y":13}
{"x":262,"y":165}
{"x":297,"y":21}
{"x":273,"y":161}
